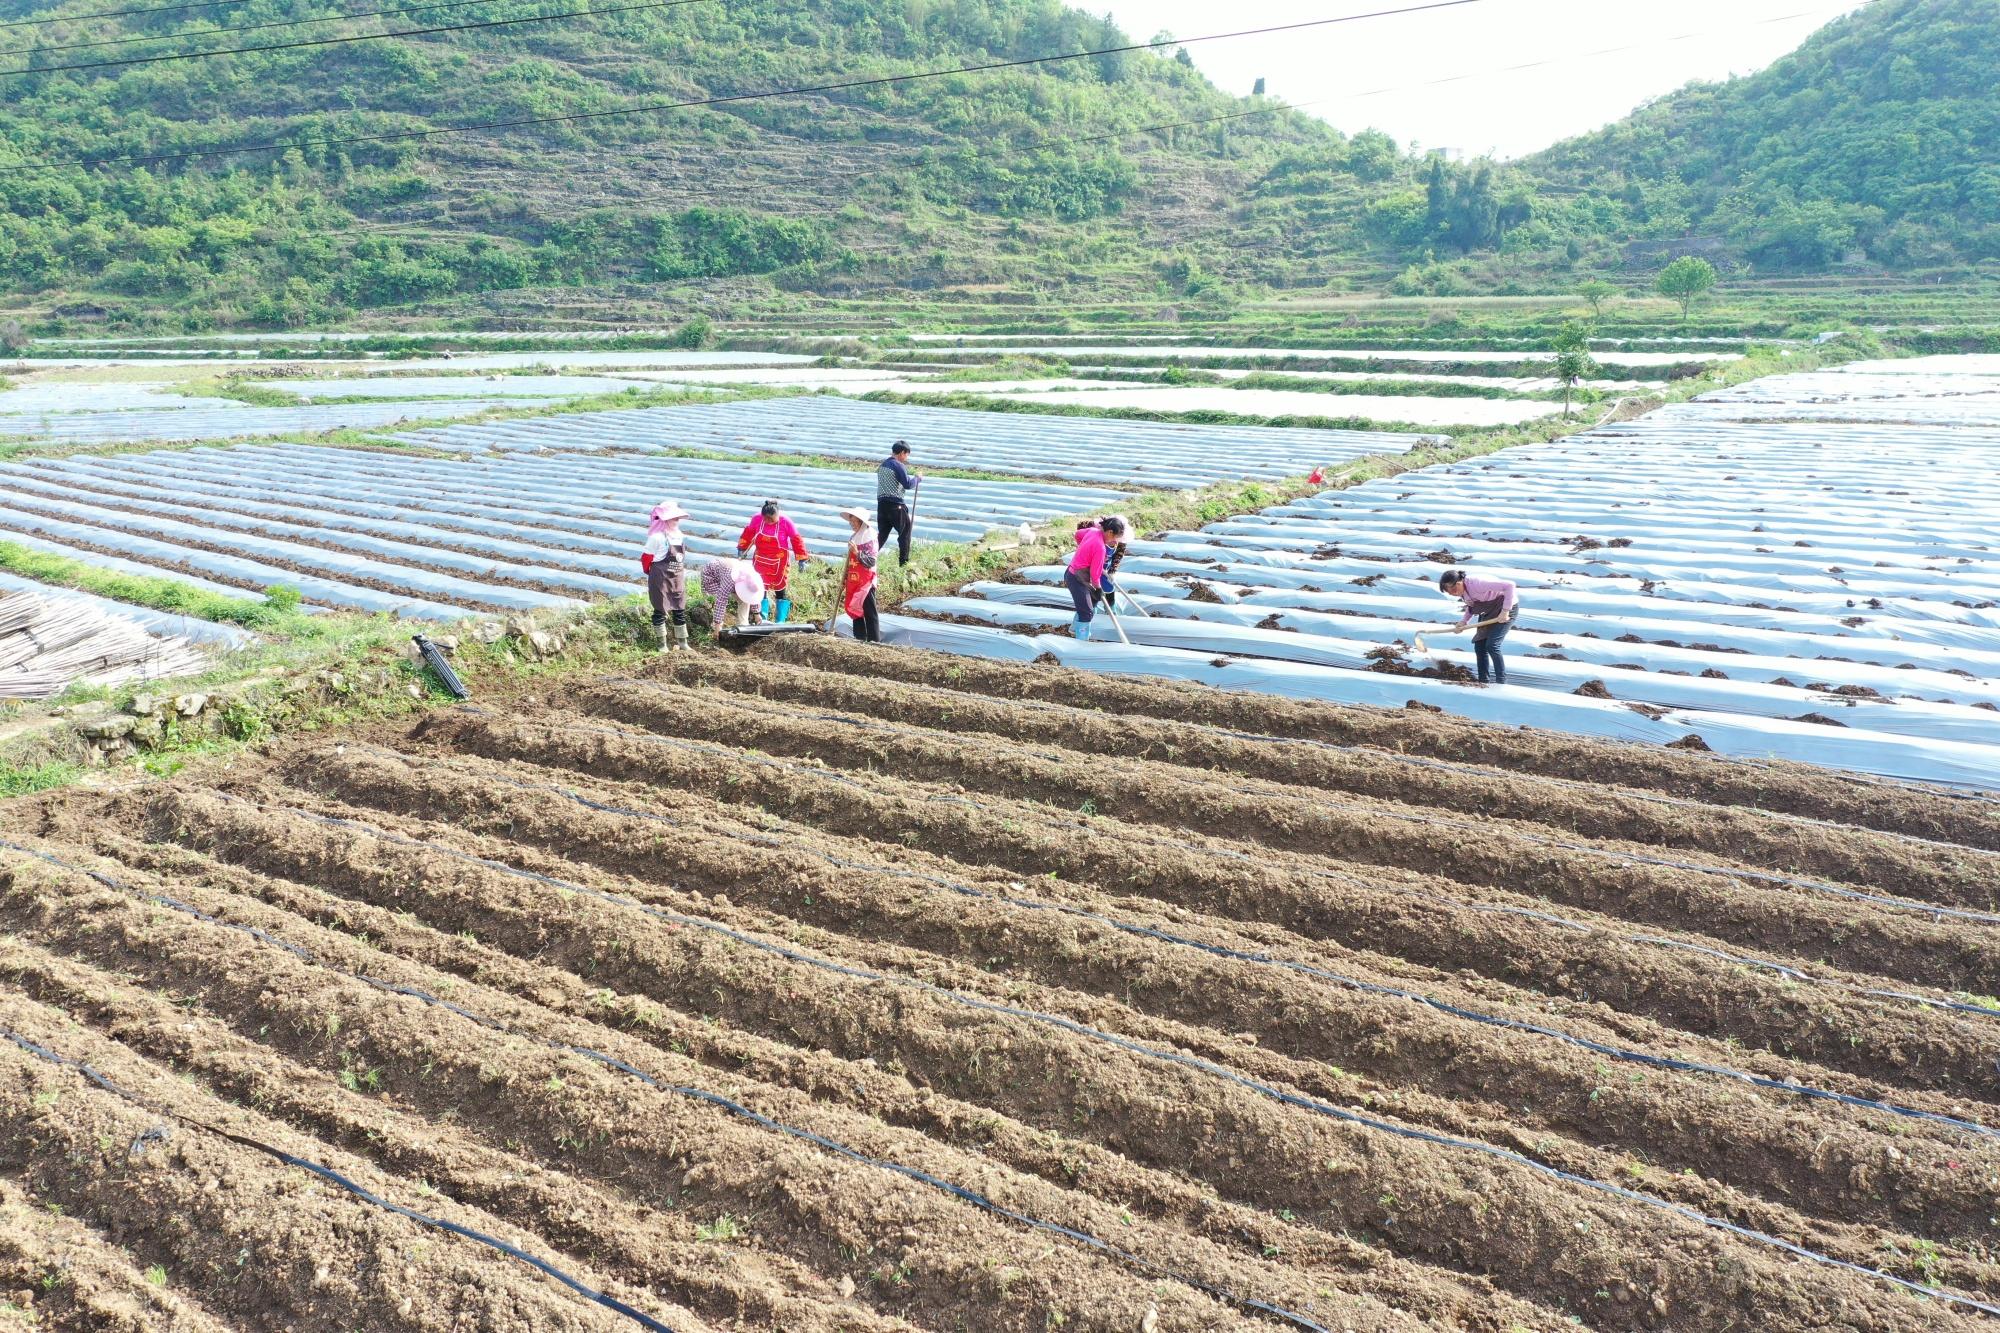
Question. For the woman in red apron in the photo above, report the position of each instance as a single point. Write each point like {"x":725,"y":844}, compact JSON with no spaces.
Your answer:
{"x":770,"y":541}
{"x":857,"y":592}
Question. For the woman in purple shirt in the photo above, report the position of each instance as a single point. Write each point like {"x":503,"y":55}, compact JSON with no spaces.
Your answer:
{"x":1492,"y":604}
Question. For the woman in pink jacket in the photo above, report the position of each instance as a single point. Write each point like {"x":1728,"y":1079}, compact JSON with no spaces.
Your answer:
{"x":770,"y":541}
{"x":1086,"y":570}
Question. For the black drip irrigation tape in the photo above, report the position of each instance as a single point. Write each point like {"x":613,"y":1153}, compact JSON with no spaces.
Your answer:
{"x":1805,"y":1090}
{"x":737,"y":1109}
{"x":1429,"y":899}
{"x":1471,"y":770}
{"x":1736,"y":872}
{"x":1630,"y":793}
{"x":1605,"y":853}
{"x":1376,"y":988}
{"x":292,"y":1159}
{"x":328,"y":1174}
{"x":1281,"y":1095}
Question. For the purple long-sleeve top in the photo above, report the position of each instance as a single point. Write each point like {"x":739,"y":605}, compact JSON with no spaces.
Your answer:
{"x":1476,"y":591}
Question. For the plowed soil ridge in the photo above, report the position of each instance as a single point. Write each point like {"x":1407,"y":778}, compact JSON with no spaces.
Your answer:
{"x":830,"y":990}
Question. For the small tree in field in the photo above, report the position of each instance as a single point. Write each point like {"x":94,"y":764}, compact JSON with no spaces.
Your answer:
{"x":1684,"y":279}
{"x":1573,"y":360}
{"x":1595,"y":293}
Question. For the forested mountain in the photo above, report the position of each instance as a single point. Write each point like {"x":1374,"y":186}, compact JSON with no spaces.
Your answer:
{"x":977,"y":178}
{"x":1125,"y":174}
{"x":1880,"y":137}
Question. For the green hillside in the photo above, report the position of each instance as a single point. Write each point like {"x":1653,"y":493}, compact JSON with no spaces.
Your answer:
{"x":1124,"y":177}
{"x":1879,"y":139}
{"x":1005,"y":178}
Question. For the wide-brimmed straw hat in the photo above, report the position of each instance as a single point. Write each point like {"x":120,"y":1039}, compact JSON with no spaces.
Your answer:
{"x":667,"y":510}
{"x":858,"y":514}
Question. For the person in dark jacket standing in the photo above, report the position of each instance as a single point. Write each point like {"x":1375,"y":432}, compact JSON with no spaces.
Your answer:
{"x":895,"y":493}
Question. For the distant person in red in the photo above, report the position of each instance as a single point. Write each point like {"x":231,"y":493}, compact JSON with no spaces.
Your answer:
{"x":770,"y":541}
{"x":1493,"y":605}
{"x":1086,"y":569}
{"x":857,"y":586}
{"x":1318,"y":477}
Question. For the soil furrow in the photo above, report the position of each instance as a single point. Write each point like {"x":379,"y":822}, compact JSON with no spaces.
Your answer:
{"x":1788,"y":1151}
{"x":840,"y":989}
{"x":639,"y":1245}
{"x":1193,"y":867}
{"x":56,"y":1273}
{"x":1787,"y":788}
{"x":256,"y":1240}
{"x":1921,"y":869}
{"x":865,"y":1085}
{"x":1861,"y":1245}
{"x":679,"y":711}
{"x":562,"y":1110}
{"x":1246,"y":1145}
{"x":1460,"y":842}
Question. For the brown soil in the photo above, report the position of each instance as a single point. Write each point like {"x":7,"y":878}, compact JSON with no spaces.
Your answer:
{"x":1188,"y":972}
{"x":1790,"y":788}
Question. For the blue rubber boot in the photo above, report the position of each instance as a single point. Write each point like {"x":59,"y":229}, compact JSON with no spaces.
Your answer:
{"x":784,"y":610}
{"x":764,"y":608}
{"x":1079,"y":629}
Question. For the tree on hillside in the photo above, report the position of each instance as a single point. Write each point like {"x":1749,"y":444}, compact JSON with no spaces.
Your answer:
{"x":1573,"y":360}
{"x":1595,"y":293}
{"x":1684,"y":279}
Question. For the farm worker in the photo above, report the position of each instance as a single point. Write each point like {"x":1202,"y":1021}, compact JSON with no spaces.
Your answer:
{"x":721,"y":578}
{"x":1086,"y":570}
{"x":771,"y":540}
{"x":1114,"y":557}
{"x":1493,"y":605}
{"x":895,"y":499}
{"x":1318,"y":477}
{"x":664,"y":560}
{"x":857,"y":591}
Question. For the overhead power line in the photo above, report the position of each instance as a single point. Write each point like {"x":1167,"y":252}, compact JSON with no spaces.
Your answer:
{"x":247,"y":27}
{"x":1276,"y":108}
{"x":336,"y":41}
{"x":114,"y":14}
{"x":725,"y":99}
{"x":1454,"y":78}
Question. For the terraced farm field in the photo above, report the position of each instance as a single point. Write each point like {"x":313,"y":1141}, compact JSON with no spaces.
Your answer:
{"x":849,"y":988}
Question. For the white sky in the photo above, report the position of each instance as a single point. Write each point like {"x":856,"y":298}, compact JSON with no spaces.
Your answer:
{"x":1507,"y":113}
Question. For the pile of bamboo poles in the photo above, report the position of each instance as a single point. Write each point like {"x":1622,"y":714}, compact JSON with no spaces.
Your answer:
{"x":48,"y":644}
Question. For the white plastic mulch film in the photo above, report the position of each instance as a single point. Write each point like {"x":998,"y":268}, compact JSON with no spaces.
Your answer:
{"x":1089,"y":450}
{"x":50,"y":640}
{"x":436,"y":538}
{"x":1822,"y":591}
{"x":222,"y":419}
